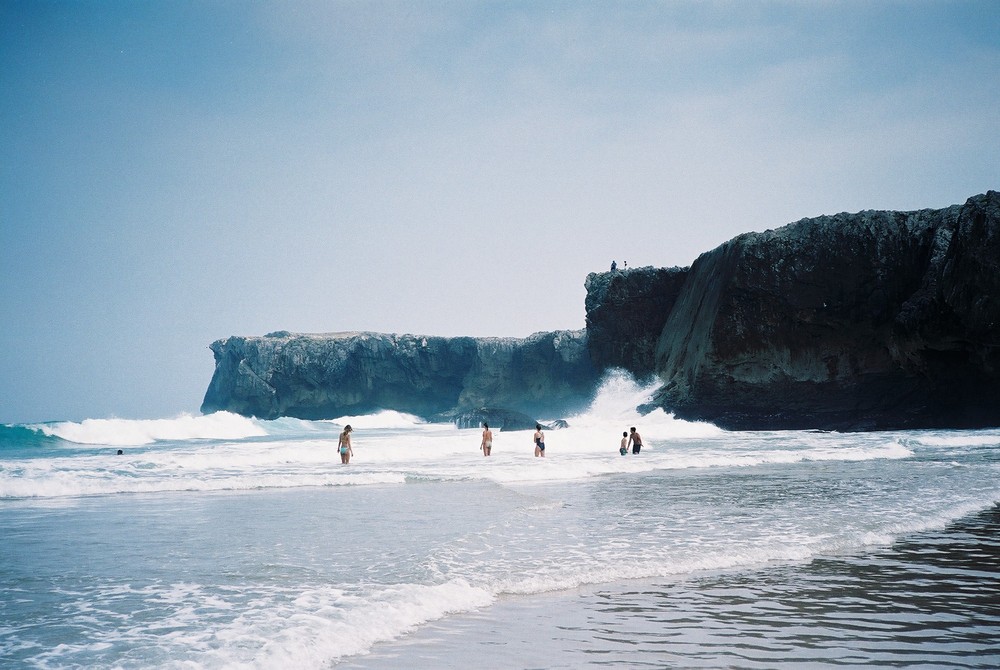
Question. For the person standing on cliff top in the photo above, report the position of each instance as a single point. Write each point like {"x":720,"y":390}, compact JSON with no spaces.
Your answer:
{"x":539,"y":441}
{"x":345,"y":445}
{"x":635,"y":439}
{"x":487,"y":444}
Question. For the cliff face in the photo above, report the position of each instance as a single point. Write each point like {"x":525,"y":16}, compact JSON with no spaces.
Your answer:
{"x":626,"y":312}
{"x":328,"y":376}
{"x":874,"y":320}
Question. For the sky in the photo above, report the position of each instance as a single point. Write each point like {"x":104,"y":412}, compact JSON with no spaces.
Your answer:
{"x":172,"y":173}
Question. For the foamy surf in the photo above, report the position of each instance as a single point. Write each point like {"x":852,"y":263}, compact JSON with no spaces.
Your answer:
{"x":303,"y":627}
{"x":226,"y":452}
{"x":221,"y":541}
{"x":133,"y":432}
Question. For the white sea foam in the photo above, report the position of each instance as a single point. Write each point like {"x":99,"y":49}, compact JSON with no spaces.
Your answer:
{"x":126,"y":432}
{"x":76,"y":482}
{"x":385,"y":419}
{"x":303,"y":454}
{"x":615,"y":405}
{"x":285,"y":627}
{"x":223,"y":451}
{"x":978,"y":438}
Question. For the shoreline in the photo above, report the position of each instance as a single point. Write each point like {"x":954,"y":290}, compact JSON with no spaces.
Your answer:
{"x":883,"y":606}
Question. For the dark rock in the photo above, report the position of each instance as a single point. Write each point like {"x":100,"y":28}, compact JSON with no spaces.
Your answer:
{"x":499,"y":419}
{"x":647,"y":407}
{"x":626,"y":312}
{"x":328,"y":376}
{"x":875,"y":320}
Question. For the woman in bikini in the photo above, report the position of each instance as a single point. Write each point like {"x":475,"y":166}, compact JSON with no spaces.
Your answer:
{"x":487,"y":444}
{"x":345,"y":445}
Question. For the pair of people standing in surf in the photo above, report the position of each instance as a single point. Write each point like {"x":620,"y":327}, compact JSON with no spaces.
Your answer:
{"x":635,"y":440}
{"x":487,"y":444}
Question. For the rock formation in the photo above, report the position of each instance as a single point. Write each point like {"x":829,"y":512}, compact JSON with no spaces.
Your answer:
{"x":499,"y":419}
{"x":340,"y":374}
{"x":875,"y":320}
{"x":626,"y":312}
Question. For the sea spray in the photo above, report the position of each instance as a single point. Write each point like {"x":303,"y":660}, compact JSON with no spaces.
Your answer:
{"x":615,"y":407}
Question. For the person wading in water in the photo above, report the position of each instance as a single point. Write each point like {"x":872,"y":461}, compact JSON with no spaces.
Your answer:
{"x":487,"y":443}
{"x":635,"y":439}
{"x":345,"y":445}
{"x":539,"y":441}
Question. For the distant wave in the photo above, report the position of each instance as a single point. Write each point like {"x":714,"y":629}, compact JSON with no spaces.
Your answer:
{"x":23,"y":437}
{"x":132,"y":432}
{"x":386,"y":419}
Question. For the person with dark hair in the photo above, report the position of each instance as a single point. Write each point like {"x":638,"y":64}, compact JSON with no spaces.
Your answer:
{"x":624,"y":448}
{"x":487,"y":443}
{"x":345,"y":445}
{"x":635,"y":439}
{"x":539,"y":440}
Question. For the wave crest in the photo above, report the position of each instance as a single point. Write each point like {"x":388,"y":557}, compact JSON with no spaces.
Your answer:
{"x":132,"y":432}
{"x":386,"y":419}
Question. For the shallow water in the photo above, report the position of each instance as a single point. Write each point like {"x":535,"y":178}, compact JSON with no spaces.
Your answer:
{"x":224,"y":542}
{"x":930,"y":600}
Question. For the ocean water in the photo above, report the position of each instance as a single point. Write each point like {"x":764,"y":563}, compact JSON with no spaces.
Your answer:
{"x":225,"y":542}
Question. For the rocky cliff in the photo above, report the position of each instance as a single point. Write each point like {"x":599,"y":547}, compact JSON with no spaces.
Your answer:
{"x":328,"y":376}
{"x":626,"y":312}
{"x":873,"y":320}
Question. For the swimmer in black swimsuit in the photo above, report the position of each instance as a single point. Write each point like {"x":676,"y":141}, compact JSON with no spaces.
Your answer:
{"x":636,"y":440}
{"x":539,"y":441}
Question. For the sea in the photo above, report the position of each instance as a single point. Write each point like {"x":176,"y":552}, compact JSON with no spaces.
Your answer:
{"x":220,"y":541}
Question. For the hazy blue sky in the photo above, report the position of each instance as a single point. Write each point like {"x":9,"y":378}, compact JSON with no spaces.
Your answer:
{"x":176,"y":172}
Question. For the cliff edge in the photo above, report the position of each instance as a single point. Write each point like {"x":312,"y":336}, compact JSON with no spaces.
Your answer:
{"x":626,"y":313}
{"x":874,"y":320}
{"x":340,"y":374}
